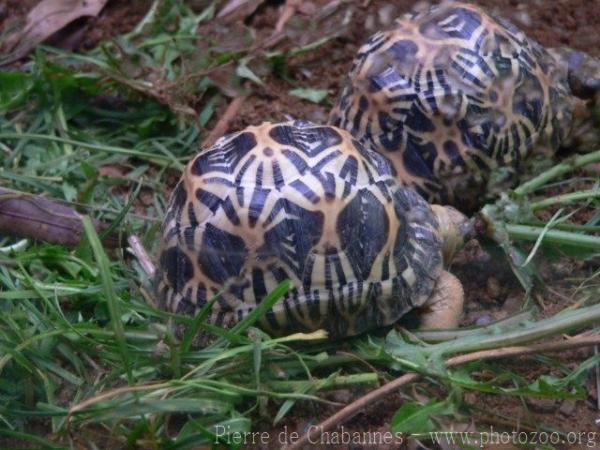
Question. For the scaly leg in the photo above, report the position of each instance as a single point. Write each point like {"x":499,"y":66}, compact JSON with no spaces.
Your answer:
{"x":444,"y":308}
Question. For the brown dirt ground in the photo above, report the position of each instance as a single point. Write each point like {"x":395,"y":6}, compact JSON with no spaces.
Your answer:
{"x":491,"y":290}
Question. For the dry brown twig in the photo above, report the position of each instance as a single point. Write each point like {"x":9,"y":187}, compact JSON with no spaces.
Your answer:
{"x":223,"y":123}
{"x":582,"y":340}
{"x":288,"y":11}
{"x":36,"y":217}
{"x":235,"y":10}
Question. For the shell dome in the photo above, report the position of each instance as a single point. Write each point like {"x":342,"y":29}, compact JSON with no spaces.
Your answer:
{"x":450,"y":94}
{"x":302,"y":202}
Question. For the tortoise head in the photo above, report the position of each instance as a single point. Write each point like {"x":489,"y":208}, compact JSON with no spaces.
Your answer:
{"x":455,"y":230}
{"x":583,"y":71}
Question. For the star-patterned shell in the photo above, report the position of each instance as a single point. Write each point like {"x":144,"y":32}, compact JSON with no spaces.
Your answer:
{"x":301,"y":202}
{"x":450,"y":94}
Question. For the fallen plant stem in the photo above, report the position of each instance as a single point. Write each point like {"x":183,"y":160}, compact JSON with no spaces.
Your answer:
{"x":115,"y":392}
{"x":376,"y":395}
{"x":436,"y":336}
{"x":556,"y":171}
{"x":339,"y":381}
{"x":178,"y":385}
{"x":194,"y":76}
{"x":493,"y":337}
{"x":566,"y":226}
{"x":529,"y":233}
{"x":149,"y":89}
{"x":566,"y":198}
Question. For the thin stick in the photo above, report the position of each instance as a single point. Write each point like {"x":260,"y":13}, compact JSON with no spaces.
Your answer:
{"x":223,"y":123}
{"x":141,"y":255}
{"x":115,"y":392}
{"x":288,"y":11}
{"x":353,"y":408}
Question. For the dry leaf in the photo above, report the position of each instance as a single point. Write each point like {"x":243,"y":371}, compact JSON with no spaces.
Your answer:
{"x":46,"y":18}
{"x":236,"y":10}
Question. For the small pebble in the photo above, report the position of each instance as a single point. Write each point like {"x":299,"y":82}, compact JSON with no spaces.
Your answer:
{"x":317,"y":116}
{"x":493,"y":288}
{"x":522,"y":16}
{"x":541,"y":405}
{"x":386,"y":14}
{"x":146,"y":197}
{"x":513,"y":304}
{"x":422,"y":6}
{"x":567,"y":407}
{"x":500,"y":314}
{"x":160,"y":350}
{"x":307,"y":8}
{"x":484,"y":320}
{"x":342,"y":395}
{"x":306,"y":73}
{"x":370,"y":23}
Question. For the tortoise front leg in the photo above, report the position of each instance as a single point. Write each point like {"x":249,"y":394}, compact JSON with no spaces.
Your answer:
{"x":444,"y":308}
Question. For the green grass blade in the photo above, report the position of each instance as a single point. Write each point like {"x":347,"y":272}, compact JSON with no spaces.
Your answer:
{"x":157,"y":159}
{"x":37,"y":440}
{"x":110,"y":293}
{"x":262,"y":307}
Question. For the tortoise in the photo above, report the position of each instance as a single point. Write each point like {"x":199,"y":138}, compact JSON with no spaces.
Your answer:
{"x":308,"y":203}
{"x":459,"y":100}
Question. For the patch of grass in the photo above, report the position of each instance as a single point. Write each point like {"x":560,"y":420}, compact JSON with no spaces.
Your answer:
{"x":82,"y":349}
{"x":517,"y":217}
